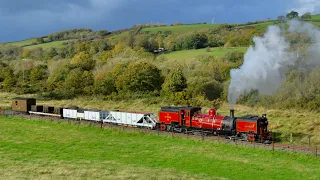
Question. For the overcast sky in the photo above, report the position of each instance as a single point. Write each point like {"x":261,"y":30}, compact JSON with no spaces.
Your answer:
{"x":22,"y":19}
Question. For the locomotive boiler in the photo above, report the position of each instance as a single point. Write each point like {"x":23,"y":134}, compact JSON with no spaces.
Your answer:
{"x":190,"y":119}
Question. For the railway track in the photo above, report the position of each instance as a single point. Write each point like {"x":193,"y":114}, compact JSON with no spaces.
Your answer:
{"x":200,"y":136}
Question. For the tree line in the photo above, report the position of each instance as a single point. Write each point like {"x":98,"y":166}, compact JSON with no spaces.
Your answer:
{"x":126,"y":68}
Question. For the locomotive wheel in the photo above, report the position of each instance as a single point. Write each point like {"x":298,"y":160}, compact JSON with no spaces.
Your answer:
{"x":168,"y":127}
{"x":162,"y":127}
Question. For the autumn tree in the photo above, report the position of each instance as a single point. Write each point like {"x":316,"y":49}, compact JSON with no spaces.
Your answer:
{"x":9,"y":78}
{"x":139,"y":77}
{"x":175,"y":82}
{"x":104,"y":83}
{"x":306,"y":16}
{"x":57,"y":78}
{"x":82,"y":47}
{"x":83,"y":60}
{"x":74,"y":82}
{"x":234,"y":57}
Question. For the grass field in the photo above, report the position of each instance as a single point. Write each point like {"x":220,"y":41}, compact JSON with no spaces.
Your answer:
{"x":180,"y":28}
{"x":190,"y":54}
{"x":57,"y":150}
{"x":21,"y":43}
{"x":262,"y":27}
{"x":315,"y":17}
{"x":283,"y":122}
{"x":54,"y":44}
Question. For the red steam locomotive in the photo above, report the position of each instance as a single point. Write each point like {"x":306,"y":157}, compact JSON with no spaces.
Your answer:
{"x":189,"y":119}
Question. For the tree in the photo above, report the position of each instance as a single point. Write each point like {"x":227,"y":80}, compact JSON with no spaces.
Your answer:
{"x":104,"y":84}
{"x":306,"y":16}
{"x":83,"y":60}
{"x":38,"y":73}
{"x":139,"y":77}
{"x":9,"y":78}
{"x":74,"y":81}
{"x":130,"y":40}
{"x":292,"y":15}
{"x":26,"y":53}
{"x":281,"y":19}
{"x":40,"y":40}
{"x":234,"y":57}
{"x":57,"y":78}
{"x":87,"y":82}
{"x":159,"y":40}
{"x":175,"y":82}
{"x":141,"y":41}
{"x":177,"y":24}
{"x":195,"y":41}
{"x":82,"y":47}
{"x":51,"y":53}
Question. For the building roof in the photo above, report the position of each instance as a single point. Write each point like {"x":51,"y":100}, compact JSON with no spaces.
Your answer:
{"x":22,"y":98}
{"x":176,"y":109}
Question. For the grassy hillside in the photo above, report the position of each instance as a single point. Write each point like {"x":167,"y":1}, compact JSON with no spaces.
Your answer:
{"x":28,"y":44}
{"x":260,"y":27}
{"x":54,"y":44}
{"x":190,"y":54}
{"x":174,"y":29}
{"x":42,"y":150}
{"x":21,"y":43}
{"x":316,"y":17}
{"x":179,"y":28}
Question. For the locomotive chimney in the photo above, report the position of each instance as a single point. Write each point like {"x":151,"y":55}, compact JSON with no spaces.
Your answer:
{"x":232,"y":113}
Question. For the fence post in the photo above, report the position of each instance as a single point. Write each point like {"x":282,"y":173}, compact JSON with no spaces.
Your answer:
{"x":171,"y":131}
{"x":202,"y":137}
{"x":272,"y":145}
{"x":293,"y":147}
{"x":316,"y":152}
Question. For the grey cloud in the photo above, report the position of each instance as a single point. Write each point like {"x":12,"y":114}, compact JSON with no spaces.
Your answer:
{"x":22,"y":19}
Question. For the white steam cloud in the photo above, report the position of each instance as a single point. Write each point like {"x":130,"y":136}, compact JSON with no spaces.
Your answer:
{"x":305,"y":6}
{"x":265,"y":63}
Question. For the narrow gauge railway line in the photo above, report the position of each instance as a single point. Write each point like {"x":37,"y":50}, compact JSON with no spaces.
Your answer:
{"x":200,"y":135}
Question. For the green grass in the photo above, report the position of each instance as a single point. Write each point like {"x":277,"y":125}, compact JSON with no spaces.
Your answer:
{"x":189,"y":54}
{"x":54,"y":44}
{"x":58,"y":150}
{"x":315,"y":17}
{"x":118,"y":36}
{"x":280,"y":121}
{"x":180,"y":28}
{"x":21,"y":43}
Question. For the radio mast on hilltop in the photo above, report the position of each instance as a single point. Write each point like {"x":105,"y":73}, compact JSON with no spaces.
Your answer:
{"x":212,"y":22}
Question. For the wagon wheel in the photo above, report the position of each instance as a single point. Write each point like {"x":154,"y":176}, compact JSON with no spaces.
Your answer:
{"x":163,"y":127}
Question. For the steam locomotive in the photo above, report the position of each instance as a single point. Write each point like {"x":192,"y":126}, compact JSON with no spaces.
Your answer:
{"x":183,"y":119}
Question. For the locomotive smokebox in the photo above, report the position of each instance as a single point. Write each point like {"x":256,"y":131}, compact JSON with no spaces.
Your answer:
{"x":232,"y":113}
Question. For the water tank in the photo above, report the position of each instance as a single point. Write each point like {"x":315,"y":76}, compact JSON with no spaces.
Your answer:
{"x":212,"y":113}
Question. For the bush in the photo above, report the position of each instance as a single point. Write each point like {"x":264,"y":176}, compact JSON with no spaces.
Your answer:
{"x":139,"y":77}
{"x":234,"y":57}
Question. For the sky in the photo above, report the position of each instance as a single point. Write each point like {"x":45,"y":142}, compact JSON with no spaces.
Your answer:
{"x":23,"y":19}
